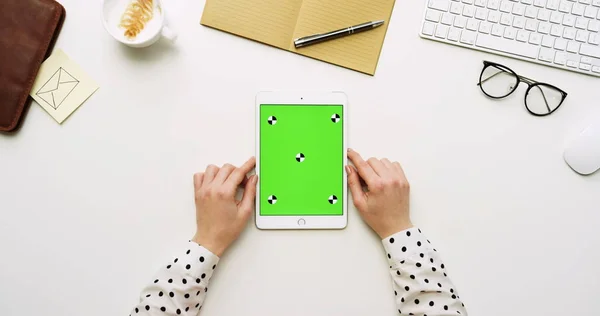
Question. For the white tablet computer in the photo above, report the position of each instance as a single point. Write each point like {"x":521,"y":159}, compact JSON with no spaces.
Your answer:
{"x":301,"y":154}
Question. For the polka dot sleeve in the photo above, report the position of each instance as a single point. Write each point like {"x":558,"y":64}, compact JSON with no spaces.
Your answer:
{"x":420,"y":280}
{"x":181,"y":285}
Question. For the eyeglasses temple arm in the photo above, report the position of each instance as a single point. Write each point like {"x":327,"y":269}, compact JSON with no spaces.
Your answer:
{"x":490,"y":77}
{"x":544,"y":96}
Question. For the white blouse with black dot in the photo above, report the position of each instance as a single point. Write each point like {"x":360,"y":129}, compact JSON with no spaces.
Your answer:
{"x":180,"y":286}
{"x":421,"y":284}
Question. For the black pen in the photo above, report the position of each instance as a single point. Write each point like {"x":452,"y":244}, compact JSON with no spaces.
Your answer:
{"x":318,"y":38}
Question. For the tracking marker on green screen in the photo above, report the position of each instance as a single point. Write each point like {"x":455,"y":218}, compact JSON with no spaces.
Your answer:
{"x":301,"y":160}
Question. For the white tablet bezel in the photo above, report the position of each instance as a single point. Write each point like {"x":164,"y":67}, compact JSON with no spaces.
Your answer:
{"x":302,"y":222}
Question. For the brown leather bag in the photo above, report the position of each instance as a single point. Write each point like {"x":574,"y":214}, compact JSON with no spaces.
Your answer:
{"x":28,"y":30}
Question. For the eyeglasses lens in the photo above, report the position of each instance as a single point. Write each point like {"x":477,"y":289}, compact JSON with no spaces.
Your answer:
{"x":497,"y":82}
{"x":543,"y":100}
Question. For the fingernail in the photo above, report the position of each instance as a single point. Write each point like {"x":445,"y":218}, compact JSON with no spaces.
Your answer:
{"x":348,"y":170}
{"x":254,"y":179}
{"x":350,"y":149}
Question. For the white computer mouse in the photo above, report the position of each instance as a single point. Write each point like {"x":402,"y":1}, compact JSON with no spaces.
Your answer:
{"x":583,"y":155}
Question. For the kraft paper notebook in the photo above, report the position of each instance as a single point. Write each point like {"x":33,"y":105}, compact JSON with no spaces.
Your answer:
{"x":279,"y":22}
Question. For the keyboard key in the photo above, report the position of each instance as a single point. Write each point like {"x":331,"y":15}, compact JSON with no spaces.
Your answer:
{"x":583,"y":66}
{"x":590,"y":12}
{"x":596,"y":3}
{"x":548,"y":41}
{"x":568,"y":20}
{"x":596,"y":69}
{"x":506,"y":19}
{"x":485,"y":27}
{"x":574,"y":58}
{"x":506,"y":6}
{"x":569,"y":33}
{"x":557,"y":30}
{"x":454,"y":34}
{"x":469,"y":11}
{"x":480,"y":3}
{"x":539,"y":3}
{"x":460,"y":22}
{"x":594,"y":39}
{"x":433,"y":16}
{"x":468,"y":37}
{"x":481,"y":14}
{"x":543,"y":15}
{"x":556,"y":17}
{"x":472,"y":25}
{"x":531,"y":25}
{"x":560,"y":44}
{"x":494,"y":16}
{"x":495,"y":4}
{"x":497,"y":30}
{"x":587,"y":60}
{"x":510,"y":33}
{"x":442,"y":5}
{"x":578,"y":9}
{"x":456,"y":8}
{"x":581,"y":23}
{"x":573,"y":47}
{"x":531,"y":12}
{"x":527,"y":2}
{"x":508,"y":46}
{"x":428,"y":28}
{"x":535,"y":39}
{"x":582,"y":36}
{"x":519,"y":22}
{"x":544,"y":28}
{"x":572,"y":63}
{"x":565,"y":6}
{"x":547,"y":55}
{"x":467,"y":1}
{"x":553,"y":4}
{"x":447,"y":19}
{"x":585,"y":1}
{"x":594,"y":26}
{"x":523,"y":36}
{"x":560,"y":58}
{"x":518,"y":9}
{"x":441,"y":31}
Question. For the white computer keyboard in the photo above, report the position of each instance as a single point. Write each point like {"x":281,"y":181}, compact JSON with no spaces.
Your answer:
{"x":558,"y":33}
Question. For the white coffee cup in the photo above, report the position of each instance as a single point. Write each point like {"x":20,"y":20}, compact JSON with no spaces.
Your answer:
{"x":112,"y":10}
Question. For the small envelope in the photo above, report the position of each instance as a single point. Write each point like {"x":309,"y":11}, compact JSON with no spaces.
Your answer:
{"x":61,"y":86}
{"x":58,"y":88}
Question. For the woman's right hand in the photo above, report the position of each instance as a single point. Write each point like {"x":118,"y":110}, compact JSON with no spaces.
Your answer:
{"x":385,"y":204}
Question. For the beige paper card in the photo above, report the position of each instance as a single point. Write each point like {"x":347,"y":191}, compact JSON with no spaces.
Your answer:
{"x":61,"y":86}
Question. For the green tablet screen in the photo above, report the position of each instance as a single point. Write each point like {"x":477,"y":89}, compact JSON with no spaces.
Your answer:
{"x":301,"y":160}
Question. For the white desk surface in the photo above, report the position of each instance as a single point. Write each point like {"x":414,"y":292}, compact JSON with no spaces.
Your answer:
{"x":91,"y":209}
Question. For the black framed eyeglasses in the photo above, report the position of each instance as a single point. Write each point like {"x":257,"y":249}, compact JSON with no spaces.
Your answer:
{"x":498,"y":81}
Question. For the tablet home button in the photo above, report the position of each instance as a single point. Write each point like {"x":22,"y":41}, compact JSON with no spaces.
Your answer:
{"x":301,"y":222}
